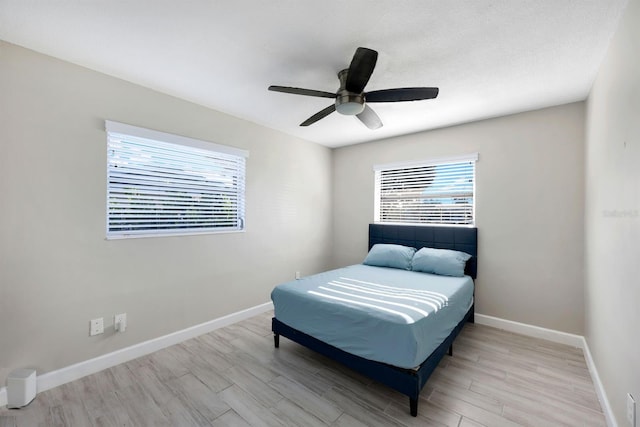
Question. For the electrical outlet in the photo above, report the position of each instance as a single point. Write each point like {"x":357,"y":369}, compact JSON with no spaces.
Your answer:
{"x":631,"y":410}
{"x":297,"y":275}
{"x":96,"y":326}
{"x":120,"y":322}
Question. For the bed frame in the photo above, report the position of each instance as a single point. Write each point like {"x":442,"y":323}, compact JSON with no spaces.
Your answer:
{"x":406,"y":381}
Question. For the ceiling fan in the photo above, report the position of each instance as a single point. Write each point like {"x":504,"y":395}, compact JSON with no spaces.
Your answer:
{"x":351,"y":100}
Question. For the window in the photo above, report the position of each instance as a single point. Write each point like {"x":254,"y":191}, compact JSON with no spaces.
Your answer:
{"x":163,"y":184}
{"x":436,"y":192}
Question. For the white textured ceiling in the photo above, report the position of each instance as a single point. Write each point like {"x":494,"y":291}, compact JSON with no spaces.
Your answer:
{"x":488,"y":57}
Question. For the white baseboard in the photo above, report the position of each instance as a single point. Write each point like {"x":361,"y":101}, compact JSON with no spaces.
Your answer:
{"x":561,"y":338}
{"x":530,"y":330}
{"x":73,"y":372}
{"x":597,"y":383}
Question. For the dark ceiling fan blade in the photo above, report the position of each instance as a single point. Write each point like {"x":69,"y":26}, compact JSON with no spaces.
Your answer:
{"x":300,"y":91}
{"x":402,"y":94}
{"x":319,"y":115}
{"x":361,"y":68}
{"x":370,"y":118}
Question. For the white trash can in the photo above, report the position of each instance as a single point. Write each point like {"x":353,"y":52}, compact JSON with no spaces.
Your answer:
{"x":21,"y":388}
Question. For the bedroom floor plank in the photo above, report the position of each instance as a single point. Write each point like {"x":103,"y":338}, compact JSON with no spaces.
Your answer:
{"x":350,"y":402}
{"x":359,"y":410}
{"x":230,"y":419}
{"x":251,"y":364}
{"x":252,"y":385}
{"x":105,"y":409}
{"x":466,"y":422}
{"x":378,"y":401}
{"x":249,"y":409}
{"x":140,"y":408}
{"x":470,"y":410}
{"x":235,"y":377}
{"x":291,"y":415}
{"x":217,"y":342}
{"x":486,"y":402}
{"x":307,"y":399}
{"x":429,"y":414}
{"x":304,"y":378}
{"x":347,"y":420}
{"x":195,"y":395}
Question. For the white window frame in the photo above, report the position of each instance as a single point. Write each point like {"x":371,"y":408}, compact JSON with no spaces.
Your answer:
{"x":199,"y":158}
{"x":399,"y":166}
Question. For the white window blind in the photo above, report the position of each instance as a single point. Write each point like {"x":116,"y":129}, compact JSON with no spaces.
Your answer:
{"x":439,"y":192}
{"x":163,"y":184}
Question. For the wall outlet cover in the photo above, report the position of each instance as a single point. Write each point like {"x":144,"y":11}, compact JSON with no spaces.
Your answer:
{"x":120,"y":322}
{"x":96,"y":326}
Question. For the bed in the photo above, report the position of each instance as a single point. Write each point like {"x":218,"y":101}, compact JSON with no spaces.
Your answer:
{"x":414,"y":327}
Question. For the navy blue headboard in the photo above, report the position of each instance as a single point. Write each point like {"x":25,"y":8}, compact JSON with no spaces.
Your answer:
{"x":457,"y":238}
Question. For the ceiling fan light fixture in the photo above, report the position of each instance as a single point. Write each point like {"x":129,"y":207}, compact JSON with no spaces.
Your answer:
{"x":349,"y":104}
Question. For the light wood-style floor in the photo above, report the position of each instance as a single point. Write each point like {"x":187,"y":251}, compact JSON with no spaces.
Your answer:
{"x":235,"y":377}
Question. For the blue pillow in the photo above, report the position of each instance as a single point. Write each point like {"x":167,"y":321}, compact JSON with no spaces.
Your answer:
{"x":443,"y":262}
{"x":394,"y":256}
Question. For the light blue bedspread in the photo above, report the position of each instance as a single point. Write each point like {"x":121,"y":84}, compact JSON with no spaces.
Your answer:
{"x":384,"y":314}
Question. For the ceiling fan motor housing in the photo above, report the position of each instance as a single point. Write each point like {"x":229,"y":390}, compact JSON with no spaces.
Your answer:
{"x":348,"y":103}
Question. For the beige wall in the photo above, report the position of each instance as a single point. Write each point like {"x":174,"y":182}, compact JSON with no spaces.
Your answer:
{"x":57,"y":271}
{"x":612,"y":258}
{"x":529,"y":208}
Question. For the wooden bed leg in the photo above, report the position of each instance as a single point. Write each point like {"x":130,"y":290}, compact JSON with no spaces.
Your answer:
{"x":276,"y":340}
{"x":413,"y":407}
{"x":451,"y":350}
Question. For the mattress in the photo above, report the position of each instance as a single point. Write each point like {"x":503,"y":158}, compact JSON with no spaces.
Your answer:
{"x":383,"y":314}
